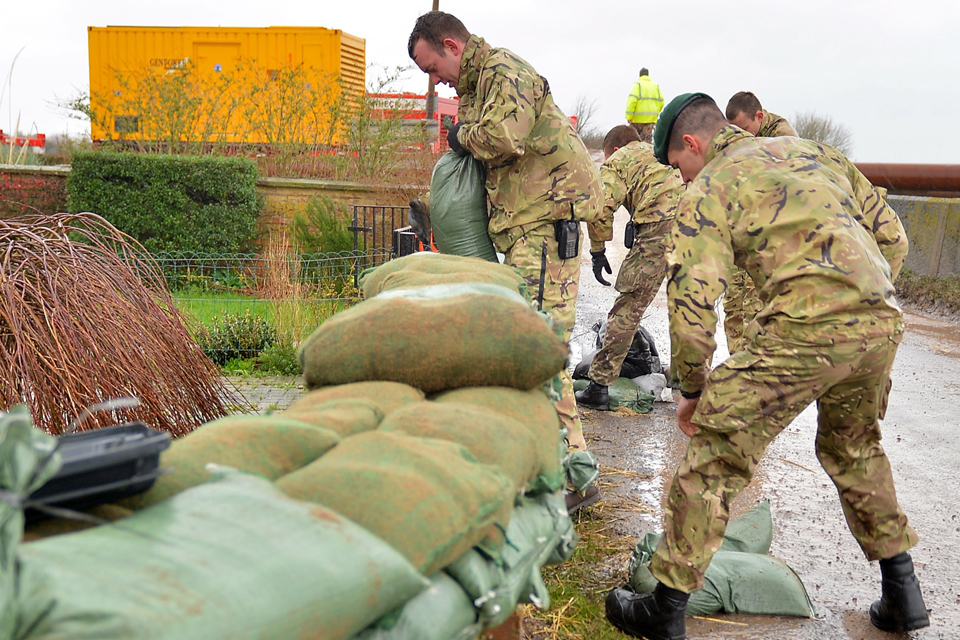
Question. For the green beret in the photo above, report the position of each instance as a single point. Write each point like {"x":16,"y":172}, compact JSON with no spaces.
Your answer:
{"x":661,"y":133}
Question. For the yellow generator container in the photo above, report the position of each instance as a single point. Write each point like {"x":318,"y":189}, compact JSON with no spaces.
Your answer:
{"x":264,"y":86}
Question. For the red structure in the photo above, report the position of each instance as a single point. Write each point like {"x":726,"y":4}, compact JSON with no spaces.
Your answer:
{"x":39,"y":141}
{"x":413,"y":106}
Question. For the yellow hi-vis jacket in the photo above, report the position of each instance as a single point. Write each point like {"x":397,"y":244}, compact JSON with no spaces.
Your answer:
{"x":645,"y":101}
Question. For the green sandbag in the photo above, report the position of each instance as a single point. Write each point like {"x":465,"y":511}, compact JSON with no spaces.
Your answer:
{"x":269,"y":446}
{"x":534,"y":411}
{"x":624,"y":393}
{"x":458,"y":207}
{"x":430,"y":499}
{"x":386,"y":395}
{"x":540,"y":533}
{"x":443,"y":611}
{"x":409,"y":279}
{"x":230,"y":559}
{"x":436,"y":338}
{"x":344,"y":417}
{"x":371,"y":280}
{"x":492,"y":438}
{"x":741,"y":578}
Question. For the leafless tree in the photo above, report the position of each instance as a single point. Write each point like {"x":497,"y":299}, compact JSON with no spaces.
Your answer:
{"x":584,"y":110}
{"x":812,"y":126}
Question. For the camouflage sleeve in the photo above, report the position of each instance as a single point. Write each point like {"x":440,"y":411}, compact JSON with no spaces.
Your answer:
{"x":614,"y":195}
{"x":506,"y":119}
{"x":699,"y":265}
{"x":880,"y":220}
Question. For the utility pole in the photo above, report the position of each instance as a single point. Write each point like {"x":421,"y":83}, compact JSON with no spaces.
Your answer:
{"x":431,"y":92}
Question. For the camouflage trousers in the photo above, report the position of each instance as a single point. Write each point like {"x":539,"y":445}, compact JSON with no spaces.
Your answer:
{"x":638,"y":281}
{"x":552,"y":283}
{"x":751,"y":398}
{"x":645,"y":129}
{"x":740,"y":306}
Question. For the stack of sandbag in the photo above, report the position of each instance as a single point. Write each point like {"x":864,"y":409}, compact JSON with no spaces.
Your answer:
{"x":427,"y":268}
{"x":741,"y":577}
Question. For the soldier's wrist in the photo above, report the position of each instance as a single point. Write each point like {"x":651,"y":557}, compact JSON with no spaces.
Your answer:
{"x":690,"y":395}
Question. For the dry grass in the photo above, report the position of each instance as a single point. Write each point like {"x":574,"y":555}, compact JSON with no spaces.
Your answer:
{"x":85,"y":316}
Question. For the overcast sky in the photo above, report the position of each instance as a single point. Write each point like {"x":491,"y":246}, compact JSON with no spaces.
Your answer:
{"x":886,"y":70}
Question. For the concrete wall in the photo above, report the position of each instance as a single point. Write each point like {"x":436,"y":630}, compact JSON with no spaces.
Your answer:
{"x":933,"y":228}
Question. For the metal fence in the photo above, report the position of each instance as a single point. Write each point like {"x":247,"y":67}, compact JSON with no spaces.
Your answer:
{"x":245,"y":297}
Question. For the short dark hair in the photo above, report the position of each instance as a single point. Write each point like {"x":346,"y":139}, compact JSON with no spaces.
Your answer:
{"x":702,"y":115}
{"x":743,"y":102}
{"x":435,"y":26}
{"x":644,"y":71}
{"x":620,"y":136}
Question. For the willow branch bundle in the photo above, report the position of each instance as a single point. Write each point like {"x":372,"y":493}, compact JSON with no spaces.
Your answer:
{"x":85,"y":316}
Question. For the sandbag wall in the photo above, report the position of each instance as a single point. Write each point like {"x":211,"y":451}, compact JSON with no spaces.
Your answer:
{"x":426,"y":427}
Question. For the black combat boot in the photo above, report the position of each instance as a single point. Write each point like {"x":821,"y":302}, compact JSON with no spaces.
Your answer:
{"x":900,"y":607}
{"x":595,"y":395}
{"x":655,"y":616}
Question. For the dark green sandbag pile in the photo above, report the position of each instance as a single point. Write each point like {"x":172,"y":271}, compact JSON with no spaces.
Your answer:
{"x":624,"y":393}
{"x":386,"y":395}
{"x":345,"y":417}
{"x":436,"y":338}
{"x":535,"y":412}
{"x":231,"y":559}
{"x":430,"y":499}
{"x":491,"y":438}
{"x":422,"y":266}
{"x":269,"y":446}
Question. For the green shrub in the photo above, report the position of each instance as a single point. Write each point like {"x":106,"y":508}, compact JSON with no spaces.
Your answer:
{"x":236,"y":336}
{"x":170,"y":203}
{"x":279,"y":359}
{"x":322,"y":228}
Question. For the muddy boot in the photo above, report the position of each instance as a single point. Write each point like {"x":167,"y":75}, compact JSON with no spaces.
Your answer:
{"x":655,"y":616}
{"x":578,"y":500}
{"x":900,"y":607}
{"x":595,"y":395}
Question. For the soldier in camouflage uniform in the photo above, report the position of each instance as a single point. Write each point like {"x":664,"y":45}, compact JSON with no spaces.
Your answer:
{"x":538,"y":170}
{"x":740,"y":302}
{"x":633,"y":178}
{"x":824,"y":249}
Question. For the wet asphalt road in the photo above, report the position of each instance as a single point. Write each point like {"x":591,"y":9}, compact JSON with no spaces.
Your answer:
{"x":921,"y":437}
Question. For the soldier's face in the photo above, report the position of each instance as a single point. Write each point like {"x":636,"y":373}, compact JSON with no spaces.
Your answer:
{"x":689,"y":160}
{"x":748,"y":123}
{"x":443,"y":67}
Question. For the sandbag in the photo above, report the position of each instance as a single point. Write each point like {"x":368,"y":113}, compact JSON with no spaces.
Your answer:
{"x":535,"y":412}
{"x":430,"y":499}
{"x":492,"y":438}
{"x":345,"y":417}
{"x":741,"y":578}
{"x":429,"y":263}
{"x":458,"y":207}
{"x":642,"y":358}
{"x":623,"y":393}
{"x":540,"y":533}
{"x":409,"y":279}
{"x":269,"y":446}
{"x":436,"y":338}
{"x":386,"y":395}
{"x":230,"y":559}
{"x":443,"y":611}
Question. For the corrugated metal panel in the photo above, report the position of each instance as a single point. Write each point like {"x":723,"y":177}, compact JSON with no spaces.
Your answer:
{"x":234,"y":64}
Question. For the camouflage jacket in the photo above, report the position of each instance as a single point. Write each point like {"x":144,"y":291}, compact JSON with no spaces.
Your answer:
{"x":818,"y":240}
{"x":633,"y":178}
{"x":773,"y":125}
{"x":538,"y":169}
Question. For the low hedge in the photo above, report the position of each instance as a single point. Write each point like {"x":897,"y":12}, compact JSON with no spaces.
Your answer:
{"x":170,"y":203}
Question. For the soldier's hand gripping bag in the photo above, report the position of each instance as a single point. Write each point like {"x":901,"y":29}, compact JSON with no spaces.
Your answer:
{"x":436,"y":338}
{"x":458,"y":207}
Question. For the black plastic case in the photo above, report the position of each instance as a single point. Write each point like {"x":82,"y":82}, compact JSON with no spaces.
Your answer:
{"x":102,"y":466}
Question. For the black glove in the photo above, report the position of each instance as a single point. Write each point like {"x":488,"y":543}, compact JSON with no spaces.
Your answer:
{"x":455,"y":145}
{"x":419,"y":219}
{"x":599,"y":265}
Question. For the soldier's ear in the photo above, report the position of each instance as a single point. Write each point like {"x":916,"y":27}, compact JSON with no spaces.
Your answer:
{"x":453,"y":46}
{"x":758,"y":116}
